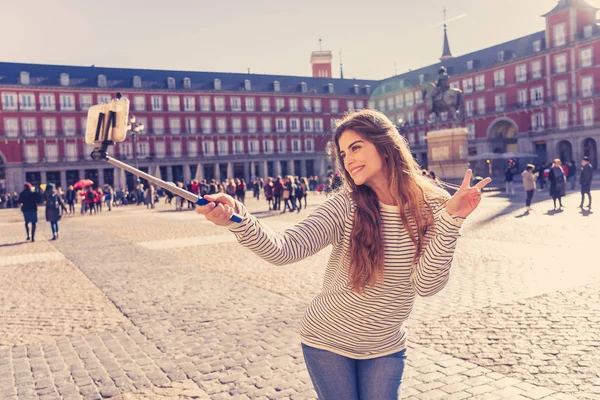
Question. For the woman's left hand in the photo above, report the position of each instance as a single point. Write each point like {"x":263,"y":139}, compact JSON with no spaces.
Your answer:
{"x":467,"y":198}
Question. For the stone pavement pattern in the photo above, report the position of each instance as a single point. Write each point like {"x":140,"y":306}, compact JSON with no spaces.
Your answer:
{"x":135,"y":304}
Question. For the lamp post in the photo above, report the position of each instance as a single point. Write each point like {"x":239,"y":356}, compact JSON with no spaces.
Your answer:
{"x":134,"y":128}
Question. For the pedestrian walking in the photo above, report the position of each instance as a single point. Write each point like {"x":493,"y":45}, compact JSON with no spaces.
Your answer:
{"x":353,"y":333}
{"x":71,"y":198}
{"x":54,"y":204}
{"x":508,"y":179}
{"x":269,"y":192}
{"x":557,"y":179}
{"x":29,"y":200}
{"x":529,"y":179}
{"x":585,"y":180}
{"x":277,"y":192}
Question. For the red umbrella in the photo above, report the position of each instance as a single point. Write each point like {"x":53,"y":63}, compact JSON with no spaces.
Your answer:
{"x":83,"y":183}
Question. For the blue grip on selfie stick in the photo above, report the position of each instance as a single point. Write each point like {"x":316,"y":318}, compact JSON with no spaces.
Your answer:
{"x":234,"y":217}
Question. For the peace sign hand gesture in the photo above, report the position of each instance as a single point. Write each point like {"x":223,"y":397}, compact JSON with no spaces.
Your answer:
{"x":467,"y":198}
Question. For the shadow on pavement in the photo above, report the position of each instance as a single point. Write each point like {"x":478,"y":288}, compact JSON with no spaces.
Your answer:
{"x":13,"y":244}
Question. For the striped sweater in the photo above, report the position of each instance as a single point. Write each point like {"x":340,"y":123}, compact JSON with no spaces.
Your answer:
{"x":359,"y":326}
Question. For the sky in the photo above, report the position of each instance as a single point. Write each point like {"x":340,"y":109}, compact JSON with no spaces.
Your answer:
{"x":376,"y":38}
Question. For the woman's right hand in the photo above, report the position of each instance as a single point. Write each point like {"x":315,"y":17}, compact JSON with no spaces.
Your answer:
{"x":219,"y":209}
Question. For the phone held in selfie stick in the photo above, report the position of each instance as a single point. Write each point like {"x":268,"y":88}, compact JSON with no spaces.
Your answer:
{"x":107,"y":124}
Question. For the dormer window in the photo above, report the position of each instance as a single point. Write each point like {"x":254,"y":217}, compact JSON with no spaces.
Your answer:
{"x":247,"y":85}
{"x":137,"y":82}
{"x":217,"y":84}
{"x":355,"y":89}
{"x":64,"y":79}
{"x":367,"y":89}
{"x":560,"y":34}
{"x":469,"y":65}
{"x":401,"y":83}
{"x":501,"y":56}
{"x":187,"y":83}
{"x":101,"y":80}
{"x":537,"y":46}
{"x":330,"y":88}
{"x":170,"y":83}
{"x":421,"y":78}
{"x":24,"y":78}
{"x":588,"y":30}
{"x":276,"y":86}
{"x":303,"y":87}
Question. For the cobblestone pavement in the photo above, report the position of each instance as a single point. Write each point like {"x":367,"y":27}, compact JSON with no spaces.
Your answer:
{"x":138,"y":304}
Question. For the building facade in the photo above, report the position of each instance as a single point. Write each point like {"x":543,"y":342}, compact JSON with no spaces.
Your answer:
{"x":197,"y":124}
{"x":537,"y":94}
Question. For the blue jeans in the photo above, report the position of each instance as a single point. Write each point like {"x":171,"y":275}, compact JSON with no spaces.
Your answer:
{"x":54,"y":227}
{"x":337,"y":377}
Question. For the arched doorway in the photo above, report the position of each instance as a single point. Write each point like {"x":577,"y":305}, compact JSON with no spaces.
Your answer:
{"x":589,"y":149}
{"x":502,"y":138}
{"x":565,"y":151}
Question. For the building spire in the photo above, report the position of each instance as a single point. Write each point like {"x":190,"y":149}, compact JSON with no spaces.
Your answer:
{"x":446,"y":54}
{"x":341,"y":67}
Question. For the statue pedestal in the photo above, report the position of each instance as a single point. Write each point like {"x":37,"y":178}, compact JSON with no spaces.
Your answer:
{"x":447,"y":153}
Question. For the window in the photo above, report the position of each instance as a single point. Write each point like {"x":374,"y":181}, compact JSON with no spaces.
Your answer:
{"x":468,"y":85}
{"x":280,"y":125}
{"x":139,"y":103}
{"x":49,"y":126}
{"x":47,"y":102}
{"x":158,"y":125}
{"x":501,"y":56}
{"x":137,"y":82}
{"x":308,"y":125}
{"x":29,"y":127}
{"x":294,"y":105}
{"x":266,"y":125}
{"x":309,"y":145}
{"x":238,"y":147}
{"x":187,"y":83}
{"x":221,"y":125}
{"x":265,"y":104}
{"x":247,"y":85}
{"x":360,"y":104}
{"x":102,"y":81}
{"x":303,"y":87}
{"x":537,"y":95}
{"x":281,"y":145}
{"x":421,"y":78}
{"x":142,"y":149}
{"x":27,"y":101}
{"x":217,"y":84}
{"x":317,"y":105}
{"x":11,"y":127}
{"x":469,"y":65}
{"x":381,"y":105}
{"x":251,"y":122}
{"x":471,"y":131}
{"x":560,"y":63}
{"x":31,"y":153}
{"x":481,"y":105}
{"x":469,"y":108}
{"x":537,"y":46}
{"x":588,"y":31}
{"x":83,"y":125}
{"x":236,"y":103}
{"x":521,"y":73}
{"x":223,"y":147}
{"x":587,"y":86}
{"x":104,"y":98}
{"x":418,"y":97}
{"x":399,"y":101}
{"x":307,"y":105}
{"x":390,"y":103}
{"x":219,"y":103}
{"x":125,"y":150}
{"x":500,"y":100}
{"x":318,"y":125}
{"x":560,"y":34}
{"x":294,"y":125}
{"x":268,"y":146}
{"x":189,"y":103}
{"x":175,"y":125}
{"x":411,"y":138}
{"x":536,"y":69}
{"x":421,"y":116}
{"x":455,"y":85}
{"x":480,"y":82}
{"x":409,"y":99}
{"x":9,"y":101}
{"x":330,"y":88}
{"x":85,"y":101}
{"x":422,"y":137}
{"x":499,"y":78}
{"x":156,"y":103}
{"x":350,"y":105}
{"x":173,"y":103}
{"x":537,"y":121}
{"x":236,"y":125}
{"x":561,"y":90}
{"x":587,"y":113}
{"x":253,"y":146}
{"x":276,"y":86}
{"x":206,"y":125}
{"x":71,"y":151}
{"x":204,"y":103}
{"x":192,"y":148}
{"x":190,"y":125}
{"x":334,"y":106}
{"x":24,"y":78}
{"x":208,"y":148}
{"x":585,"y":56}
{"x":67,"y":102}
{"x":279,"y":104}
{"x":250,"y":106}
{"x":159,"y":149}
{"x":563,"y":119}
{"x":296,"y":147}
{"x":68,"y":125}
{"x":522,"y":97}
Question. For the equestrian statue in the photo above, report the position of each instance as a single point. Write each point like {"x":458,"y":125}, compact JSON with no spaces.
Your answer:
{"x":440,"y":98}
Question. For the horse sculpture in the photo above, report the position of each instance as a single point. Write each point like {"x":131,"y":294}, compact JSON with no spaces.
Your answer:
{"x":449,"y":101}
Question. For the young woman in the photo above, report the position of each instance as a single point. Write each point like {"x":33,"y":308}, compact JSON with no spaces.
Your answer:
{"x":393,"y":233}
{"x":54,"y":204}
{"x":529,"y":179}
{"x":558,"y":184}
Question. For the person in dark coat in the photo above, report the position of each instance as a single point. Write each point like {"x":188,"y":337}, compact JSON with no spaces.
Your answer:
{"x":558,"y":185}
{"x":54,"y":203}
{"x":585,"y":180}
{"x":29,"y":201}
{"x":71,"y":197}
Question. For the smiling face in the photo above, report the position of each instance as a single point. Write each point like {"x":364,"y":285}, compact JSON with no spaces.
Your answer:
{"x":361,"y":159}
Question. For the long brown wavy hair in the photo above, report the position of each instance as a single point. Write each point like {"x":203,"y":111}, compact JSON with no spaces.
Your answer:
{"x":412,"y":192}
